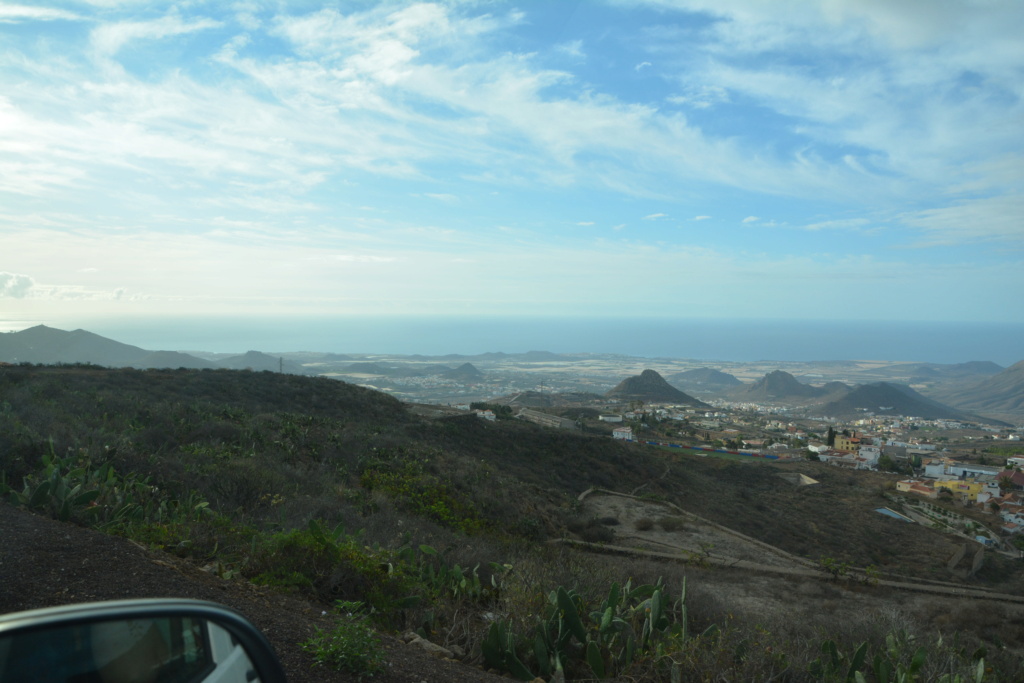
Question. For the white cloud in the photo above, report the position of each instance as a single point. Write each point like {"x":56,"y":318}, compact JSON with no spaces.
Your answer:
{"x":16,"y":13}
{"x":989,"y":218}
{"x":368,"y":94}
{"x":839,"y":224}
{"x":360,"y":258}
{"x":641,"y":65}
{"x":108,"y":39}
{"x":242,"y":160}
{"x":318,"y":271}
{"x":573,"y":49}
{"x":441,"y":197}
{"x":909,"y":97}
{"x":701,"y":96}
{"x":15,"y":286}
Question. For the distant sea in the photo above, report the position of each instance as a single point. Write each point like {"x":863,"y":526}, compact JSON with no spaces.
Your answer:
{"x":703,"y":339}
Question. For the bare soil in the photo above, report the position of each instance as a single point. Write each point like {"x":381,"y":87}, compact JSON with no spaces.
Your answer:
{"x":640,"y":525}
{"x":44,"y":563}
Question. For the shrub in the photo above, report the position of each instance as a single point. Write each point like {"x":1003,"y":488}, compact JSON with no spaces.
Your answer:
{"x":422,"y":493}
{"x":350,"y":646}
{"x":671,"y":523}
{"x":644,"y":524}
{"x":597,"y":534}
{"x":335,"y":566}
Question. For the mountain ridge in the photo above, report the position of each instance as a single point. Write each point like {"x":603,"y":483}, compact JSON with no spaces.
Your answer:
{"x":887,"y":398}
{"x":651,"y":386}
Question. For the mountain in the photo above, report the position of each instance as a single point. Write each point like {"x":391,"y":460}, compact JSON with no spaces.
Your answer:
{"x":49,"y":346}
{"x":885,"y":398}
{"x":776,"y":385}
{"x":466,"y":372}
{"x":1002,"y":393}
{"x":704,"y":379}
{"x":170,"y":359}
{"x":258,"y":361}
{"x":834,"y":390}
{"x":930,"y":372}
{"x":650,"y":386}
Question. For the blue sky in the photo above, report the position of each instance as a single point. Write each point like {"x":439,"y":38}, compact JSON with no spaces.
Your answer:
{"x":858,"y":159}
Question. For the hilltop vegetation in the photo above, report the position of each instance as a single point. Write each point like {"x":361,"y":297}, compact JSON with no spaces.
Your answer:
{"x":335,"y":492}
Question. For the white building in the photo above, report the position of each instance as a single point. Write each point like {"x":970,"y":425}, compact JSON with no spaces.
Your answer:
{"x":870,"y":453}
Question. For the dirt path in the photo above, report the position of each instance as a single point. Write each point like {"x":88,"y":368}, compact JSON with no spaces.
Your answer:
{"x":662,"y":530}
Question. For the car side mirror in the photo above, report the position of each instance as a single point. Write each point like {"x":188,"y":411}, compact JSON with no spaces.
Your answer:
{"x":135,"y":641}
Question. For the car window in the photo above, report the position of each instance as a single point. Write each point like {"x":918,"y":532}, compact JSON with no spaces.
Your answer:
{"x":166,"y":650}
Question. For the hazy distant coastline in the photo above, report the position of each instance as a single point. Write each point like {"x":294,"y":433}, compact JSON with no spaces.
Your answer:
{"x":711,"y":339}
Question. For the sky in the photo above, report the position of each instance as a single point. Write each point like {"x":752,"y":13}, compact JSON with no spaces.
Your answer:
{"x":814,"y":160}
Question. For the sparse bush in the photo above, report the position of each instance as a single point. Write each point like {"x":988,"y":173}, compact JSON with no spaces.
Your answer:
{"x":332,"y":565}
{"x":644,"y":524}
{"x":672,"y":523}
{"x":350,"y":646}
{"x":597,"y":533}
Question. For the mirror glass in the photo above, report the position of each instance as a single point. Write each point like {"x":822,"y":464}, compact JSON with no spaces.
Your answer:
{"x":159,"y":650}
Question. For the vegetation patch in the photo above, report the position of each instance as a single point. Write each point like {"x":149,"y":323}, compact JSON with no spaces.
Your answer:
{"x":351,"y":645}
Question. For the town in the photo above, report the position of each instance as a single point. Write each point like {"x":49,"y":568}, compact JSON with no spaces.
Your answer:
{"x":959,"y":476}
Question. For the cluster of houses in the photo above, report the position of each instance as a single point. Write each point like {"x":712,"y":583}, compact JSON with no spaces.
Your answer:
{"x":858,"y":452}
{"x":993,"y":489}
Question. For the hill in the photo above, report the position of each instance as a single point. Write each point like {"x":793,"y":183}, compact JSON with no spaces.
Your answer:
{"x":1001,"y":394}
{"x":328,"y":491}
{"x":940,"y":371}
{"x":48,"y":345}
{"x":884,"y":398}
{"x":703,"y":379}
{"x":777,"y":385}
{"x":261,"y":362}
{"x":834,"y":388}
{"x":652,"y":387}
{"x":466,"y":372}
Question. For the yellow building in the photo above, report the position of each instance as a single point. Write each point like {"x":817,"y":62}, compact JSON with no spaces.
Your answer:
{"x":964,"y":489}
{"x":846,"y":443}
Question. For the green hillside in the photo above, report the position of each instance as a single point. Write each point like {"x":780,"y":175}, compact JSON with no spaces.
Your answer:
{"x":338,"y":492}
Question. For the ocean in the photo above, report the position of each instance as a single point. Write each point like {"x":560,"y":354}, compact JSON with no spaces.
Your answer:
{"x":703,"y":339}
